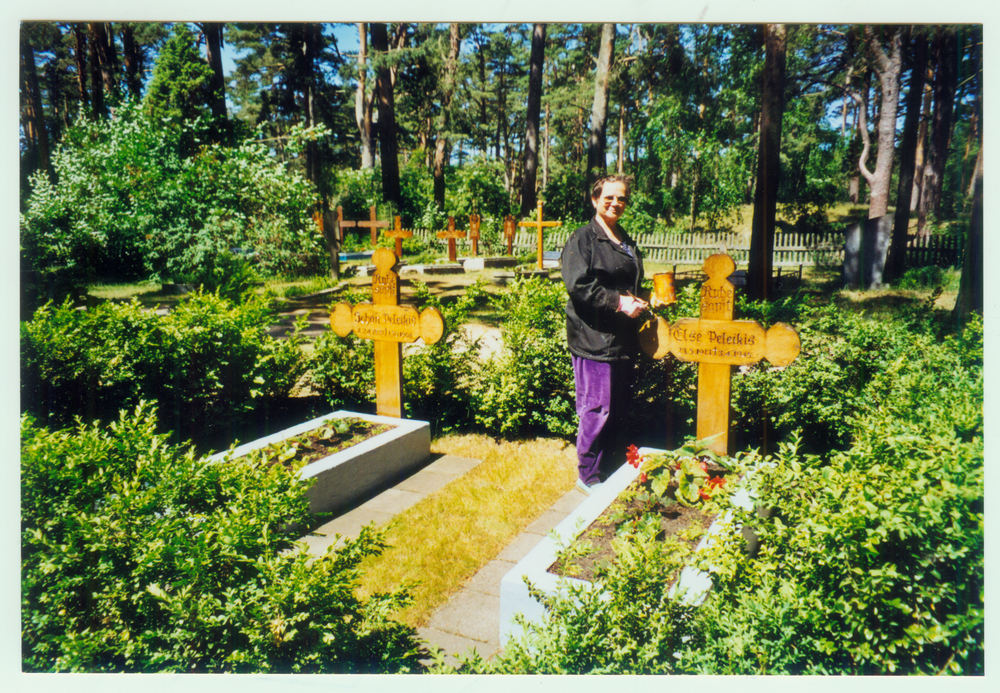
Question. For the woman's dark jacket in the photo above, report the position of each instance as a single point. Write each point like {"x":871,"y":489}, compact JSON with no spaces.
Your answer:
{"x":596,"y":273}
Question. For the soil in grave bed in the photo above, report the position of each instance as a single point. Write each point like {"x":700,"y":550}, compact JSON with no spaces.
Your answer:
{"x":593,"y":548}
{"x":330,"y":437}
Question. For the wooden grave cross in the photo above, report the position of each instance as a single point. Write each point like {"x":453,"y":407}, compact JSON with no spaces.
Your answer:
{"x":716,"y":343}
{"x":540,"y":224}
{"x":389,"y":325}
{"x":374,"y":225}
{"x":343,"y":223}
{"x":474,"y":222}
{"x":509,"y":229}
{"x":451,"y":235}
{"x":399,"y":234}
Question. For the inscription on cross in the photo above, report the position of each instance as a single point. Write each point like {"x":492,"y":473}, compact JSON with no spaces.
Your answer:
{"x":398,"y":233}
{"x":716,"y":343}
{"x":474,"y":222}
{"x":389,"y":325}
{"x":540,"y":225}
{"x":509,"y":229}
{"x":374,"y":224}
{"x":451,"y":234}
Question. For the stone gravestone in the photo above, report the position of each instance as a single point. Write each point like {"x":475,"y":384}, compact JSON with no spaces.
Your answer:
{"x":374,"y":225}
{"x":452,"y":235}
{"x":389,"y":325}
{"x":474,"y":222}
{"x":509,"y":229}
{"x":540,"y":225}
{"x":398,"y":233}
{"x":716,"y":343}
{"x":865,"y":247}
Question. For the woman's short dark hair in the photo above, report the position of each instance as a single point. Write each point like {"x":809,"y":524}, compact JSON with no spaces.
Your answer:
{"x":595,"y":192}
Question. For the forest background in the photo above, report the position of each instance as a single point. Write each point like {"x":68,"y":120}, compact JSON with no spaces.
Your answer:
{"x":142,"y":157}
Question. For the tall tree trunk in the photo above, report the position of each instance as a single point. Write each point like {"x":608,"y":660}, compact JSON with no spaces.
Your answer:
{"x":132,"y":59}
{"x":768,"y":164}
{"x":620,"y":168}
{"x":362,"y":102}
{"x":96,"y":81}
{"x":895,"y":262}
{"x":529,"y":198}
{"x":217,"y":101}
{"x":970,"y":289}
{"x":888,"y":66}
{"x":80,"y":55}
{"x":310,"y":38}
{"x":946,"y":77}
{"x":545,"y":150}
{"x":386,"y":119}
{"x":920,"y":155}
{"x":444,"y":125}
{"x":31,"y":104}
{"x":596,"y":165}
{"x":107,"y":57}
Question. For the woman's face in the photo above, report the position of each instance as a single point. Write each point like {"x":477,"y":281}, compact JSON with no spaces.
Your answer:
{"x":610,"y":205}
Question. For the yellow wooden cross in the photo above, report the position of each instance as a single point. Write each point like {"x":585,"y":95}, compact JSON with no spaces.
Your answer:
{"x":399,"y":234}
{"x":716,"y":343}
{"x":451,"y":234}
{"x":474,"y":221}
{"x":374,"y":225}
{"x":389,"y":325}
{"x":540,"y":224}
{"x":509,"y":229}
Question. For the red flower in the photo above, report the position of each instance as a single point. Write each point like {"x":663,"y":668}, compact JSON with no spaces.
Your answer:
{"x":643,"y":478}
{"x":633,"y":456}
{"x":711,"y":486}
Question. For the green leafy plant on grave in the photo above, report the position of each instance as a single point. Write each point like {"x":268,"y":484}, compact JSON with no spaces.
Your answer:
{"x":528,"y":386}
{"x":684,"y":470}
{"x":141,"y":556}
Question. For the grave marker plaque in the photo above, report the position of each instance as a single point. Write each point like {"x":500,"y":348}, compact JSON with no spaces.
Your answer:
{"x":452,"y":235}
{"x":389,"y":325}
{"x":716,"y":343}
{"x":540,"y":225}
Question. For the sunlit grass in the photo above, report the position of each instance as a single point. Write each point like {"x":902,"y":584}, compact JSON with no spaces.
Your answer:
{"x":442,"y":541}
{"x":122,"y":292}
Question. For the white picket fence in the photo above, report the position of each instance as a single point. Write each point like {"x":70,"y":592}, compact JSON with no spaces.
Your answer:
{"x":791,"y":249}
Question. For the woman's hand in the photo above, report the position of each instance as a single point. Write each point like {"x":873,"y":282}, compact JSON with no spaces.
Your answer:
{"x":631,"y":306}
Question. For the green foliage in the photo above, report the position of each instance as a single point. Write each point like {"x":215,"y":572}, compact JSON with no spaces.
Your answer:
{"x":126,"y":201}
{"x":206,"y":364}
{"x":528,"y":386}
{"x":138,"y":556}
{"x":438,"y":378}
{"x":627,"y":624}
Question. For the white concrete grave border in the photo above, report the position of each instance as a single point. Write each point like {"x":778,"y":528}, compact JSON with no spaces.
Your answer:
{"x":514,"y":597}
{"x":352,"y":474}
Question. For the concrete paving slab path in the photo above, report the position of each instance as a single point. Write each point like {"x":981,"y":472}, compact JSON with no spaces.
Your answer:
{"x":471,"y":618}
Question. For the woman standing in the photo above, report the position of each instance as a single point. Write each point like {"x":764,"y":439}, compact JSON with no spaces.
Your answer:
{"x":602,"y":270}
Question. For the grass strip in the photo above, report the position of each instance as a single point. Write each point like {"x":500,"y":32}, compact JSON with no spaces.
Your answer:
{"x":440,"y":543}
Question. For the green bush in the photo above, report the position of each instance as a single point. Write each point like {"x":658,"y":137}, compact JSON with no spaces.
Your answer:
{"x":870,"y":559}
{"x":528,"y":387}
{"x":206,"y":364}
{"x":138,"y":556}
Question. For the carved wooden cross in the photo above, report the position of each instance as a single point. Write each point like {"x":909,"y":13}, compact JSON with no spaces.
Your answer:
{"x":540,"y":224}
{"x":716,"y":343}
{"x":451,"y":234}
{"x":399,"y":234}
{"x":509,"y":229}
{"x":374,"y":225}
{"x":343,"y":223}
{"x":389,"y":325}
{"x":474,"y":221}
